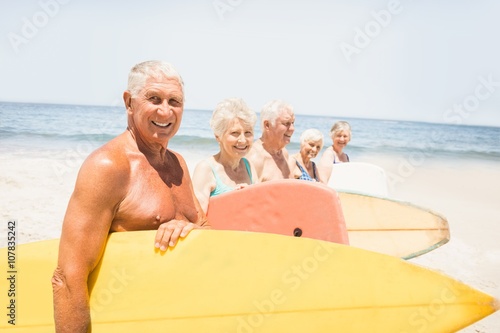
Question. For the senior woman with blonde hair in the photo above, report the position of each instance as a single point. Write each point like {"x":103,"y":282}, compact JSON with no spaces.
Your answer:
{"x":233,"y":125}
{"x":301,"y":164}
{"x":341,"y":135}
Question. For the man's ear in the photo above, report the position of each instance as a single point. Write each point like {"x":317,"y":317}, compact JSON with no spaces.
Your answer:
{"x":127,"y":99}
{"x":267,"y":124}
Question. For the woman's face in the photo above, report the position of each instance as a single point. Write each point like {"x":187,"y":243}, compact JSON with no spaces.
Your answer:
{"x":340,"y":140}
{"x":309,"y":149}
{"x":237,"y":139}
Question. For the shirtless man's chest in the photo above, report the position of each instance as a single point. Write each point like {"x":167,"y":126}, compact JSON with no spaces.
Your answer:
{"x":154,"y":196}
{"x":275,"y":167}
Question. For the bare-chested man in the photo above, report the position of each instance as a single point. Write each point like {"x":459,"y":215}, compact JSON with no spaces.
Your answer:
{"x":131,"y":183}
{"x":268,"y":154}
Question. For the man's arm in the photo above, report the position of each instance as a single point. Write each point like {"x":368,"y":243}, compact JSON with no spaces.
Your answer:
{"x":98,"y":191}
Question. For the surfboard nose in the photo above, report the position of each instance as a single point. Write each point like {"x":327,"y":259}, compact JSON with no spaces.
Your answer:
{"x":496,"y":304}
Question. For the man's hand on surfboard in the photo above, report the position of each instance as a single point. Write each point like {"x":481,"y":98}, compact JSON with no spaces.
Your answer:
{"x":169,"y":232}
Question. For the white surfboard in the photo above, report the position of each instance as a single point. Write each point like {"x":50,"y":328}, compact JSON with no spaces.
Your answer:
{"x":359,"y":177}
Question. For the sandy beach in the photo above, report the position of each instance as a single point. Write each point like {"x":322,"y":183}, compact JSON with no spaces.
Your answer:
{"x":467,"y":194}
{"x":36,"y":187}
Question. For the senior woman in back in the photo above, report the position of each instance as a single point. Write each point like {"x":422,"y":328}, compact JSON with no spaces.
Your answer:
{"x":301,"y":164}
{"x":341,"y":135}
{"x":233,"y":125}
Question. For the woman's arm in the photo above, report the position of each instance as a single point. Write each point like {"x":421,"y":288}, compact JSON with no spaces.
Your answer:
{"x":325,"y":165}
{"x":203,"y":183}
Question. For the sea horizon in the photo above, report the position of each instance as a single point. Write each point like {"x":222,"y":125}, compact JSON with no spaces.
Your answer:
{"x":258,"y":112}
{"x":49,"y":126}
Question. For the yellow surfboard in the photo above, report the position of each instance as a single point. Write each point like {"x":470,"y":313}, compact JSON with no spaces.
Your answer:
{"x":391,"y":226}
{"x":234,"y":281}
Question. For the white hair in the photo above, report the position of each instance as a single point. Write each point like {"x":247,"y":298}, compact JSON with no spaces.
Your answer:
{"x":311,"y":134}
{"x":229,"y":109}
{"x":272,"y":110}
{"x":141,"y":72}
{"x":340,"y":126}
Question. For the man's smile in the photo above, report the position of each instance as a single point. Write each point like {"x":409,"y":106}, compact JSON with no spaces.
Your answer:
{"x":163,"y":125}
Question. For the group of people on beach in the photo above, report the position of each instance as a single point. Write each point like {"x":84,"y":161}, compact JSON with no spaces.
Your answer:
{"x":134,"y":182}
{"x":241,"y":161}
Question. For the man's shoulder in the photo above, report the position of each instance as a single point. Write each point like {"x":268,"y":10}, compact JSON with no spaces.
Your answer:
{"x":112,"y":156}
{"x":257,"y":145}
{"x":257,"y":156}
{"x":112,"y":149}
{"x":258,"y":149}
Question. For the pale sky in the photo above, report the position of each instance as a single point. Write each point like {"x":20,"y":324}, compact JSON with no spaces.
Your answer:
{"x":436,"y":61}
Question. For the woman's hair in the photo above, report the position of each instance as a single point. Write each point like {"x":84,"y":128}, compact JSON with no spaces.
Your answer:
{"x":340,"y":126}
{"x":311,"y":134}
{"x":229,"y":109}
{"x":272,"y":110}
{"x":141,"y":72}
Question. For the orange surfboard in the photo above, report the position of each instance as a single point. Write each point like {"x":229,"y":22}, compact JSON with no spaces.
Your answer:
{"x":288,"y":207}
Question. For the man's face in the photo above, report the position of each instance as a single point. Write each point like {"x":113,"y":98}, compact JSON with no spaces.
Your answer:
{"x":157,"y":110}
{"x":284,"y":127}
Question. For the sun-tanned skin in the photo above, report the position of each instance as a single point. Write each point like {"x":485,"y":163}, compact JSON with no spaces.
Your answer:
{"x":131,"y":183}
{"x":268,"y":154}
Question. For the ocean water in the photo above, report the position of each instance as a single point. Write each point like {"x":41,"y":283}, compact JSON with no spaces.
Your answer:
{"x":31,"y":128}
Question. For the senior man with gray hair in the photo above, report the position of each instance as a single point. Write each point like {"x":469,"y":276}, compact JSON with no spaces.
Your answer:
{"x":268,"y":154}
{"x":133,"y":182}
